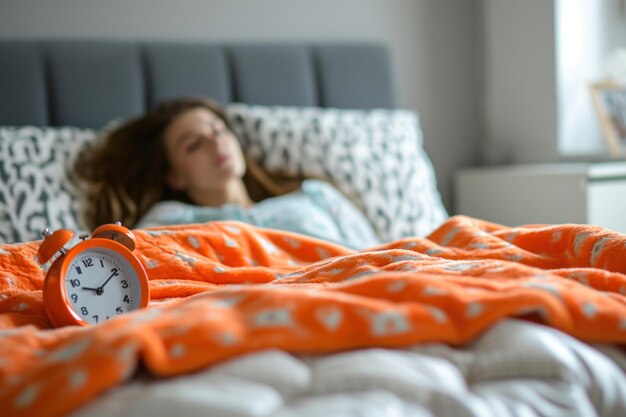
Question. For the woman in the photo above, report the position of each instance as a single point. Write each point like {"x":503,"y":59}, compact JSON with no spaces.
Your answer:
{"x":181,"y":163}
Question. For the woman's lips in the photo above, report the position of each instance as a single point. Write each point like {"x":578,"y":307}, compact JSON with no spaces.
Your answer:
{"x":220,"y":159}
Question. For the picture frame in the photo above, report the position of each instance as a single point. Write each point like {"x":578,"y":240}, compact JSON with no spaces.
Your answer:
{"x":609,"y":101}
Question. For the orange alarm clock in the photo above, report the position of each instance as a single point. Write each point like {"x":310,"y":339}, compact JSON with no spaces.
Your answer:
{"x":94,"y":281}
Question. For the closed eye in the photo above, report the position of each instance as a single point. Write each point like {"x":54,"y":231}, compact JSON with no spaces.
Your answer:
{"x":194,"y":145}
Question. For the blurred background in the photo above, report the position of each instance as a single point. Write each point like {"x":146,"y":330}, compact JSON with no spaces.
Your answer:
{"x":494,"y":81}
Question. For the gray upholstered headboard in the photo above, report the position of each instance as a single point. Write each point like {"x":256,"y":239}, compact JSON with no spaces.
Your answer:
{"x":87,"y":84}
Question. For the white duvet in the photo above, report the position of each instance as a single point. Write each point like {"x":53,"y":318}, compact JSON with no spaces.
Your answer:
{"x":517,"y":368}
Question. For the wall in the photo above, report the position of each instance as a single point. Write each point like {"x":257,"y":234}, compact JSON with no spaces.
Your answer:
{"x":519,"y":81}
{"x":432,"y":42}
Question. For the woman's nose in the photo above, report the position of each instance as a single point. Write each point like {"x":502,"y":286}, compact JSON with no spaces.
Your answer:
{"x":212,"y":141}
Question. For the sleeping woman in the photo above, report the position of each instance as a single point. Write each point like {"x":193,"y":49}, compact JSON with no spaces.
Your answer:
{"x":181,"y":163}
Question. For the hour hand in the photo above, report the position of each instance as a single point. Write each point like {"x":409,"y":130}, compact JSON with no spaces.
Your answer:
{"x":96,"y":290}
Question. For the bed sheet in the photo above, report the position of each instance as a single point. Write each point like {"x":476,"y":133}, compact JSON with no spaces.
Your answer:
{"x":227,"y":289}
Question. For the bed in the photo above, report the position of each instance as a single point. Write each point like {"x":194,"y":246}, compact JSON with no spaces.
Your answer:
{"x":448,"y":316}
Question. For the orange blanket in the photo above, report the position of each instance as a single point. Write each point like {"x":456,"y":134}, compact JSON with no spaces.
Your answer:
{"x":225,"y":288}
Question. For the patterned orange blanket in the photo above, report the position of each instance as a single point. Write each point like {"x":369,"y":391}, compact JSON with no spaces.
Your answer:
{"x":226,"y":288}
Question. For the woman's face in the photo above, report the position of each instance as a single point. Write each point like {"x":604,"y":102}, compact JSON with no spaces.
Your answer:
{"x":204,"y":154}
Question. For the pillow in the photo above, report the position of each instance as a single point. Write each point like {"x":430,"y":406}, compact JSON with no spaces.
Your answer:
{"x":375,"y":157}
{"x":37,"y":189}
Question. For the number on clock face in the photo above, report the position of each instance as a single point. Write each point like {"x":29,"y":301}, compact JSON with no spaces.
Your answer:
{"x":101,"y":285}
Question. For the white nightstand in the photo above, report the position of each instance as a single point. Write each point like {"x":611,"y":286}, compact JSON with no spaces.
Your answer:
{"x":593,"y":193}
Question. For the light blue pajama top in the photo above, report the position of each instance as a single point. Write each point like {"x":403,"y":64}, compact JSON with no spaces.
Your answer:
{"x":317,"y":209}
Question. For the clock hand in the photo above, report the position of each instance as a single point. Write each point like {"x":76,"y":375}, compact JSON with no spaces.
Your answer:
{"x":98,"y":290}
{"x":101,"y":287}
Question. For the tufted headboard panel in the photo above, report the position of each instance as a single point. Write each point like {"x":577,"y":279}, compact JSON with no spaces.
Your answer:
{"x":87,"y":84}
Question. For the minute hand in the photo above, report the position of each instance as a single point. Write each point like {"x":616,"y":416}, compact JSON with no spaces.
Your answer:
{"x":114,"y":273}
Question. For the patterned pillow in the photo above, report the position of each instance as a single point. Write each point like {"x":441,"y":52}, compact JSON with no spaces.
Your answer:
{"x":37,"y":189}
{"x":374,"y":156}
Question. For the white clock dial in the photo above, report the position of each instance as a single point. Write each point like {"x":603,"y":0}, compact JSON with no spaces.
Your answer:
{"x":101,"y":284}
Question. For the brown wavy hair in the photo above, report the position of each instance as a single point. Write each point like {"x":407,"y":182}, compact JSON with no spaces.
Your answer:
{"x":126,"y":172}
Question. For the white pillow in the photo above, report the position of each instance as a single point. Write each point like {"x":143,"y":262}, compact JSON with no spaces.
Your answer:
{"x":374,"y":156}
{"x":37,"y":188}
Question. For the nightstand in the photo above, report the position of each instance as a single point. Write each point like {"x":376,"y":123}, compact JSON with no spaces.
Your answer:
{"x":591,"y":193}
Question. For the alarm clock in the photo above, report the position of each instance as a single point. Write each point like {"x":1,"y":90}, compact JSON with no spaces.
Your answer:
{"x":94,"y":281}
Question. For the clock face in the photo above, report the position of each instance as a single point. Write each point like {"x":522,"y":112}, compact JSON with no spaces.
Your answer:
{"x":101,"y":284}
